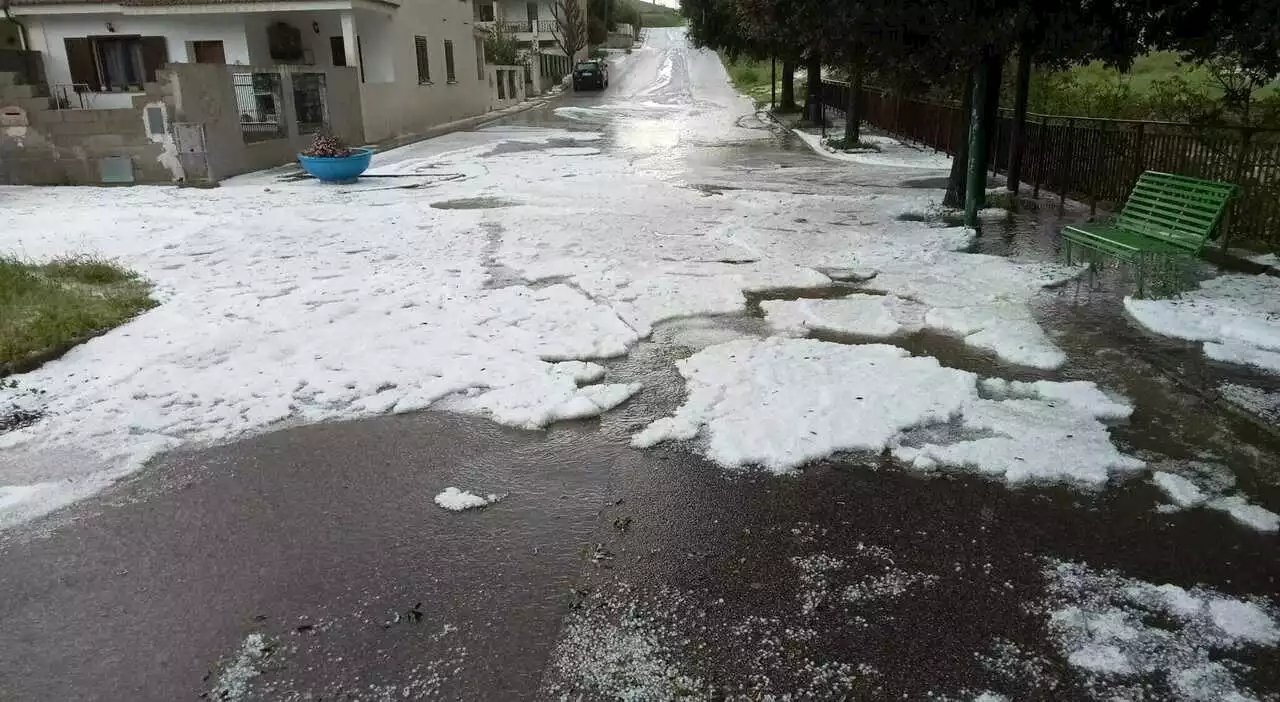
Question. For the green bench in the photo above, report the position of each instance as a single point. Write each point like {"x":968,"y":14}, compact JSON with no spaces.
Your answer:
{"x":1167,"y":218}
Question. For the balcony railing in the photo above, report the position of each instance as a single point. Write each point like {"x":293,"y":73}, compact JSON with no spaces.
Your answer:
{"x":546,"y":26}
{"x":515,"y":27}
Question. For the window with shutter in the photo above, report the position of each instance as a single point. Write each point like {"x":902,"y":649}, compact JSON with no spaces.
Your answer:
{"x":424,"y":60}
{"x":84,"y":69}
{"x":120,"y":62}
{"x":448,"y":62}
{"x":155,"y":54}
{"x":339,"y":50}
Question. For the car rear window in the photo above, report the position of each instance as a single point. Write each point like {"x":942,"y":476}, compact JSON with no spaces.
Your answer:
{"x":586,"y":66}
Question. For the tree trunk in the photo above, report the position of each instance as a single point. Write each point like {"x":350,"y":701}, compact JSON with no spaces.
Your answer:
{"x":1017,"y":145}
{"x":853,"y":111}
{"x":976,"y":183}
{"x":788,"y":87}
{"x":960,"y":163}
{"x":991,"y":116}
{"x":813,"y":103}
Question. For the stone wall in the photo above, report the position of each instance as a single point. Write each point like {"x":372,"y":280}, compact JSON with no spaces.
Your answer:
{"x":186,"y":127}
{"x":43,"y":145}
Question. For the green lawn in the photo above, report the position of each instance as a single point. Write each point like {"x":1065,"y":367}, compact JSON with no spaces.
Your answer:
{"x":751,"y":78}
{"x":49,"y":307}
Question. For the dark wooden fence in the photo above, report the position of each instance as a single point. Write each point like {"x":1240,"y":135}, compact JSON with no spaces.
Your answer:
{"x":1096,"y":161}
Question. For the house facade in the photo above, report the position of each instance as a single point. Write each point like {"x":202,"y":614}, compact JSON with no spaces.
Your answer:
{"x":532,"y":24}
{"x":419,"y":62}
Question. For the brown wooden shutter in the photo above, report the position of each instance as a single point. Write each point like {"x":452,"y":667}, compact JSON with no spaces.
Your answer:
{"x":155,"y":54}
{"x":83,"y":68}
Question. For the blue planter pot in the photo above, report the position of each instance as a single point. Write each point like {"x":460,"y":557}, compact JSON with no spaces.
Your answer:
{"x":344,"y":169}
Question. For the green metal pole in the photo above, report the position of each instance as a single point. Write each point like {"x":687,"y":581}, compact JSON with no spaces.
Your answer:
{"x":773,"y":83}
{"x":975,"y":183}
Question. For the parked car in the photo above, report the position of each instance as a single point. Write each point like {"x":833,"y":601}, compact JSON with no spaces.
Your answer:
{"x":591,"y":74}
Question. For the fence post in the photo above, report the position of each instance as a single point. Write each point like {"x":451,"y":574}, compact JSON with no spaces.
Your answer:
{"x":1093,"y":174}
{"x":1040,"y":155}
{"x":1139,"y":162}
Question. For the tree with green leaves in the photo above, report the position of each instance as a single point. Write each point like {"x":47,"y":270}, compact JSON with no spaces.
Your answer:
{"x":728,"y":26}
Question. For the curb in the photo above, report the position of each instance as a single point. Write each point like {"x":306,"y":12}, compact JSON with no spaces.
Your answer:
{"x":288,"y":169}
{"x":464,"y":123}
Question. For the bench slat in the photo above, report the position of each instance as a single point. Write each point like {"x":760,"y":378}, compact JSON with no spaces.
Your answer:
{"x":1175,"y":209}
{"x":1207,"y":208}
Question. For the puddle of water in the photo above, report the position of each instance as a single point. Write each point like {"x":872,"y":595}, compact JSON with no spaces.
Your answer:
{"x":473,"y":203}
{"x":837,"y":289}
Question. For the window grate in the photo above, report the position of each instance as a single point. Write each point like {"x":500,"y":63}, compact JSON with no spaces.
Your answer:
{"x":424,"y":60}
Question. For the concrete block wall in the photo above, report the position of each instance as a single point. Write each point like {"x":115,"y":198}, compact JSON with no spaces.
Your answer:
{"x":205,"y":94}
{"x":41,"y":145}
{"x":507,"y":76}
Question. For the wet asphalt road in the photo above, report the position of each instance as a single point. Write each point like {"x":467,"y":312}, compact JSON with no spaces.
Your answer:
{"x":324,"y":540}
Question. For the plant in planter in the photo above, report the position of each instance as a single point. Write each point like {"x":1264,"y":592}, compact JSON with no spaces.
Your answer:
{"x":331,"y":161}
{"x":327,"y":146}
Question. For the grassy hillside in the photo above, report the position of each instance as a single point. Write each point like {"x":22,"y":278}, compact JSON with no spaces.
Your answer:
{"x":1158,"y":86}
{"x":653,"y":15}
{"x":1146,"y":70}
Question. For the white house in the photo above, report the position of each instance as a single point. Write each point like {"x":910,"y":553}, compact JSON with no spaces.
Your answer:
{"x":421,"y":62}
{"x":530,"y":23}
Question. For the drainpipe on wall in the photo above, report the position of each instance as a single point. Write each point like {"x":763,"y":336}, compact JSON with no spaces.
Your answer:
{"x":22,"y":28}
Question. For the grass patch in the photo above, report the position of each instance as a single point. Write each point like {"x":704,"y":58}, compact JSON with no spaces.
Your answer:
{"x":1004,"y":200}
{"x":752,"y":78}
{"x":839,"y":144}
{"x":47,"y":308}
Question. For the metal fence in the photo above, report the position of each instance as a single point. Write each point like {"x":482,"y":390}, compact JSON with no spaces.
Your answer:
{"x":1097,"y":160}
{"x":553,"y":68}
{"x":515,"y":27}
{"x":71,"y":96}
{"x":260,"y":104}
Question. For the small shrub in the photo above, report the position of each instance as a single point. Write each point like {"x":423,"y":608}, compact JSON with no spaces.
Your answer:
{"x":745,"y":75}
{"x":327,"y":146}
{"x":501,"y":49}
